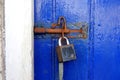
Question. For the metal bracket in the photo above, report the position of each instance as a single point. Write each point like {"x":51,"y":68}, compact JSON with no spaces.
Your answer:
{"x":53,"y":30}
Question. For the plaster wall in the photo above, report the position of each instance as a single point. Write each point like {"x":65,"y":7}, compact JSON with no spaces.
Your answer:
{"x":19,"y":39}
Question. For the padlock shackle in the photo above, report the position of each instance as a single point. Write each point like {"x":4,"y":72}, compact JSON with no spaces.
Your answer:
{"x":59,"y":42}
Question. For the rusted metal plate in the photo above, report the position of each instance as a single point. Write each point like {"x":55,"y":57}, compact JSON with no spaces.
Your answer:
{"x":83,"y":31}
{"x":63,"y":30}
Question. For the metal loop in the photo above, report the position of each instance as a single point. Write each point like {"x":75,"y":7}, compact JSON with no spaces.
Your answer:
{"x":64,"y":27}
{"x":64,"y":21}
{"x":59,"y":42}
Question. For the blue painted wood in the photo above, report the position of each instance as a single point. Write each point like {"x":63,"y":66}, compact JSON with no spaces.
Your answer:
{"x":75,"y":12}
{"x":43,"y":59}
{"x":97,"y":56}
{"x":107,"y":40}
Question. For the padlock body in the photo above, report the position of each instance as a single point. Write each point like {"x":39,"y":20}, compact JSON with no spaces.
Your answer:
{"x":66,"y":53}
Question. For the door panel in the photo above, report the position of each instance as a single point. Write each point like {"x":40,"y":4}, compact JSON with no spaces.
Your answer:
{"x":45,"y":59}
{"x":42,"y":63}
{"x":75,"y":12}
{"x":97,"y":56}
{"x":43,"y":13}
{"x":43,"y":44}
{"x":107,"y":40}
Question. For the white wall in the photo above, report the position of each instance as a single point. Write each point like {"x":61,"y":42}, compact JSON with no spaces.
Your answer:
{"x":19,"y":42}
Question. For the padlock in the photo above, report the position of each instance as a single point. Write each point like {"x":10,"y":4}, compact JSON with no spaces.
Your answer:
{"x":65,"y":52}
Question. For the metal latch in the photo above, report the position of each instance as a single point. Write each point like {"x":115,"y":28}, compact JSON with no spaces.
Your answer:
{"x":53,"y":30}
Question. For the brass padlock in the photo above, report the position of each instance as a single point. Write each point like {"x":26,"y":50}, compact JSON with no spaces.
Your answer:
{"x":65,"y":52}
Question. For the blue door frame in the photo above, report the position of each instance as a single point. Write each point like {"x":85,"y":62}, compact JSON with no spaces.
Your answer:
{"x":98,"y":56}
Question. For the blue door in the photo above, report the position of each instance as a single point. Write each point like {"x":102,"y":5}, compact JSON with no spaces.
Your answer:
{"x":98,"y":56}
